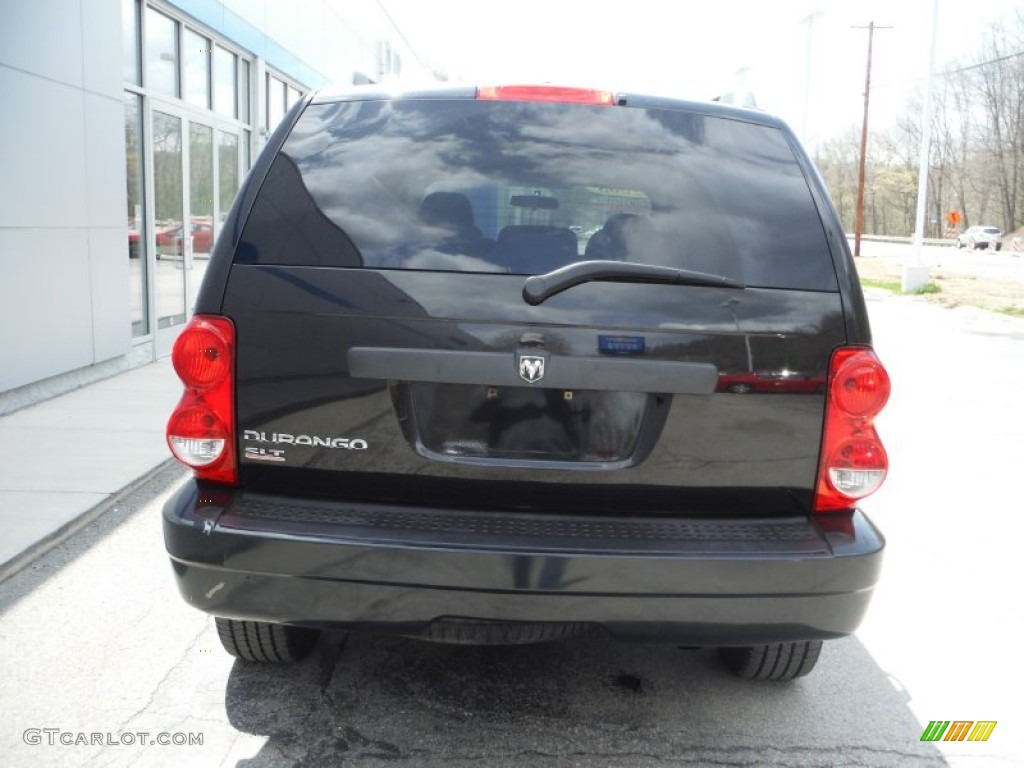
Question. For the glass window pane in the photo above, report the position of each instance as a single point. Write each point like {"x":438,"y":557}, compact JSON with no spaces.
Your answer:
{"x":197,"y":69}
{"x":275,"y":102}
{"x":227,"y":165}
{"x":243,"y":91}
{"x":224,"y":66}
{"x":161,"y":53}
{"x":488,"y":205}
{"x":200,"y":226}
{"x":167,"y":184}
{"x":138,"y":295}
{"x":246,"y":151}
{"x":293,"y":96}
{"x":200,"y":178}
{"x":130,"y":40}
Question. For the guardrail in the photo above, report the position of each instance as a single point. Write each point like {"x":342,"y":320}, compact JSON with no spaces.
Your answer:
{"x":1015,"y":244}
{"x":905,"y":240}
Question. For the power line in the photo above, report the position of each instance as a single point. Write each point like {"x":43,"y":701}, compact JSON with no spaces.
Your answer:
{"x":401,"y":34}
{"x":1007,"y":57}
{"x":347,"y":24}
{"x":950,"y":72}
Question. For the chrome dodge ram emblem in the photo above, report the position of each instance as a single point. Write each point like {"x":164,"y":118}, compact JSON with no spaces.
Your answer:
{"x":531,"y":368}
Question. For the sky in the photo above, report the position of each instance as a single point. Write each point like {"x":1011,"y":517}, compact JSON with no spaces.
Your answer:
{"x":700,"y":49}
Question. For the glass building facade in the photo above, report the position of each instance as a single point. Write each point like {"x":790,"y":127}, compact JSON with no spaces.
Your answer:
{"x":129,"y":126}
{"x":188,"y":97}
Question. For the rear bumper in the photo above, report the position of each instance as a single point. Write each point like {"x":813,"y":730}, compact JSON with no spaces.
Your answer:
{"x":701,"y":582}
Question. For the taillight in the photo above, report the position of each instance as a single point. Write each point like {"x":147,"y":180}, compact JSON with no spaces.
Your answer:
{"x":545,"y":93}
{"x":201,"y":431}
{"x":853,"y":460}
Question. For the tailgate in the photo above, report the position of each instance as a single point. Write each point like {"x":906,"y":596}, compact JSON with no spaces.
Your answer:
{"x":386,"y":350}
{"x":453,"y":377}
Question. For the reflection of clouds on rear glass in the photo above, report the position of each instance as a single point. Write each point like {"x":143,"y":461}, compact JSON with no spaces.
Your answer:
{"x":448,"y":262}
{"x":717,"y":194}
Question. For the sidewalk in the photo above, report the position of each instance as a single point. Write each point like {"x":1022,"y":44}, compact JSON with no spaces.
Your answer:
{"x":64,"y":457}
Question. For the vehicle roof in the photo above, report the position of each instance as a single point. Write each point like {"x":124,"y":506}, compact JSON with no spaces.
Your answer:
{"x":377,"y":92}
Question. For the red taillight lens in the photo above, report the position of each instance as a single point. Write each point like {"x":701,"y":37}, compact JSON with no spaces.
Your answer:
{"x":860,"y":386}
{"x":201,"y":431}
{"x":545,"y":93}
{"x":853,"y":460}
{"x":201,"y":357}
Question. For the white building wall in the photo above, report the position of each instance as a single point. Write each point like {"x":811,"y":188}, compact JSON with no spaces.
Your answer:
{"x":63,"y":271}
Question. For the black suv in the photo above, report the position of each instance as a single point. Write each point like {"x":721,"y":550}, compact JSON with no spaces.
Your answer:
{"x":506,"y":364}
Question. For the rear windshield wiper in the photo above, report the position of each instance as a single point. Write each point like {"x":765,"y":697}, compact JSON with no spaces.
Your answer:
{"x":538,"y":288}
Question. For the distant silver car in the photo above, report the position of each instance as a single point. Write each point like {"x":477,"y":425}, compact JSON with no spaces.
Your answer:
{"x":980,"y":237}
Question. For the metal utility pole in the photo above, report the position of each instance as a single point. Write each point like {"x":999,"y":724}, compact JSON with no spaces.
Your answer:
{"x":915,"y":275}
{"x":809,"y":21}
{"x":859,"y":225}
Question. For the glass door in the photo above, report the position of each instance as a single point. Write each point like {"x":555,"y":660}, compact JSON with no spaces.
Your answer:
{"x":199,"y":229}
{"x":169,"y":219}
{"x":213,"y":173}
{"x":186,"y":192}
{"x":228,"y":165}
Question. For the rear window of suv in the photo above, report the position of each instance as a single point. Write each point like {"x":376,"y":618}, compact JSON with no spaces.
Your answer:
{"x":523,"y":188}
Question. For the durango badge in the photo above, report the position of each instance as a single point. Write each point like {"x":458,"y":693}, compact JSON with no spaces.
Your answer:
{"x":531,"y":368}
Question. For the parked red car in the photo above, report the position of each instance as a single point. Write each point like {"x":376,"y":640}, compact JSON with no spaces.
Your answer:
{"x":169,"y":241}
{"x":784,"y":381}
{"x":133,"y":243}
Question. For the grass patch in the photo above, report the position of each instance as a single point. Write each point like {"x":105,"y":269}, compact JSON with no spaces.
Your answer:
{"x":1012,"y":311}
{"x":895,"y":287}
{"x":885,"y":285}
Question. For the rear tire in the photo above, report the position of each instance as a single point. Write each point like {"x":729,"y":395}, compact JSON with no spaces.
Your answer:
{"x":259,"y":641}
{"x":778,"y":661}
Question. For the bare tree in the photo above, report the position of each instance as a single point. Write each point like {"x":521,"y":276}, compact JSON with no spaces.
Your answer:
{"x":1000,"y":83}
{"x":837,"y":162}
{"x":976,"y":159}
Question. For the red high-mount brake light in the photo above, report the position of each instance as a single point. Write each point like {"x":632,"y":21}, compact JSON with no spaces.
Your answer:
{"x":545,"y":93}
{"x":853,"y":460}
{"x":201,"y":431}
